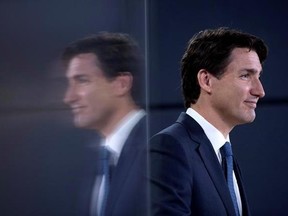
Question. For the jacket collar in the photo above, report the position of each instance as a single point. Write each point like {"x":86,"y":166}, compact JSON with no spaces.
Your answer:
{"x":209,"y":159}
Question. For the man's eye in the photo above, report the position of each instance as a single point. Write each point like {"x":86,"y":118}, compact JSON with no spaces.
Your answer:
{"x":244,"y":76}
{"x":82,"y":79}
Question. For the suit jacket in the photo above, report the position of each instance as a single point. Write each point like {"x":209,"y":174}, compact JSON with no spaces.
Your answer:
{"x":129,"y":186}
{"x":186,"y":176}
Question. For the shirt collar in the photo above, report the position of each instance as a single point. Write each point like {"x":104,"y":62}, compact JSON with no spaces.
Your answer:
{"x":214,"y":135}
{"x":115,"y":141}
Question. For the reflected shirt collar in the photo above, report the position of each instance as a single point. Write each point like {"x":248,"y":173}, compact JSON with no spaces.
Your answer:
{"x":115,"y":141}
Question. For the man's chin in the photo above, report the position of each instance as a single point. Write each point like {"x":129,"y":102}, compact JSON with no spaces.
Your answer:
{"x":78,"y":123}
{"x":249,"y":119}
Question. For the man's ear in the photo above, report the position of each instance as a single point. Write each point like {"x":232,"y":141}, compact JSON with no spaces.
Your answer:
{"x":123,"y":83}
{"x":204,"y":80}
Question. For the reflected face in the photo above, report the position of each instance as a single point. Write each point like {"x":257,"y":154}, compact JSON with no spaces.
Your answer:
{"x":235,"y":95}
{"x":89,"y":93}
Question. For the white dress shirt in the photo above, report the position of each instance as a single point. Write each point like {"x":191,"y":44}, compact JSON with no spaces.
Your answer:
{"x":217,"y":140}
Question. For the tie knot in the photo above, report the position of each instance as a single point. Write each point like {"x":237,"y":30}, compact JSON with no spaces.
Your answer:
{"x":227,"y":149}
{"x":104,"y":153}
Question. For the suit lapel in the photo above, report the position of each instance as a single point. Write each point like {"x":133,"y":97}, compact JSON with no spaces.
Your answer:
{"x":245,"y":206}
{"x":215,"y":171}
{"x":209,"y":159}
{"x":121,"y":173}
{"x":129,"y":154}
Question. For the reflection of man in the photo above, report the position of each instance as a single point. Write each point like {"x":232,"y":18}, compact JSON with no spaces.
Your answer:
{"x":221,"y":87}
{"x":100,"y":72}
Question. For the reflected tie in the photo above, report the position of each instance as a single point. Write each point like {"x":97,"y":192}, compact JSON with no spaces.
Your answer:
{"x":105,"y":166}
{"x":227,"y":161}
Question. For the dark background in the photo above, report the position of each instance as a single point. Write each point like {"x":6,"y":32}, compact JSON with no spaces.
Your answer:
{"x":261,"y":147}
{"x":40,"y":151}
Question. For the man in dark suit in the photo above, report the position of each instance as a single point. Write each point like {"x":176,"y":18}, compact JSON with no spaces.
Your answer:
{"x":221,"y":86}
{"x":101,"y":71}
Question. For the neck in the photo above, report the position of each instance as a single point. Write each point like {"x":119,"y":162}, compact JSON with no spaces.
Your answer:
{"x":117,"y":117}
{"x":213,"y":118}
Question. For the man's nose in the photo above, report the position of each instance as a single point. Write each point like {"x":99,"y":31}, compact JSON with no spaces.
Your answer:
{"x":258,"y":89}
{"x":70,"y":95}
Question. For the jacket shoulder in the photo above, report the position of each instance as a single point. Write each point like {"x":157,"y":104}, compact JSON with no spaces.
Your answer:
{"x":176,"y":133}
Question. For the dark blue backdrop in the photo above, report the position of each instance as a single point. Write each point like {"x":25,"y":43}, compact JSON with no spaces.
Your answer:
{"x":41,"y":152}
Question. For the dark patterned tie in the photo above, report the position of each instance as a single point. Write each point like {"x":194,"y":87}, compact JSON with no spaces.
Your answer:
{"x":105,"y":155}
{"x":227,"y":161}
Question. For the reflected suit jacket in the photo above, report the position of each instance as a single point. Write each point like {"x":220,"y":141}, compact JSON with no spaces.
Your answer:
{"x":128,"y":187}
{"x":186,"y":176}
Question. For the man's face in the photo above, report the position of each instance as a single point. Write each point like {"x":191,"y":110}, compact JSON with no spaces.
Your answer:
{"x":89,"y":93}
{"x":235,"y":95}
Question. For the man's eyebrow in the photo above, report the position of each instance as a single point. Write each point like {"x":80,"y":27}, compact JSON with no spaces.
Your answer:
{"x":79,"y":76}
{"x":252,"y":71}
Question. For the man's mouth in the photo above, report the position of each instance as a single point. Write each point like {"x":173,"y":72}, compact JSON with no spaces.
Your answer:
{"x":251,"y":103}
{"x":77,"y":109}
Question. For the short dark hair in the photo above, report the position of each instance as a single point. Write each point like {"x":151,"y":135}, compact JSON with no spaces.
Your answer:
{"x":210,"y":50}
{"x":116,"y":53}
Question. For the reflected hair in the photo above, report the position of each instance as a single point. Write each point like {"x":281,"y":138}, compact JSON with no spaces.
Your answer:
{"x":116,"y":53}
